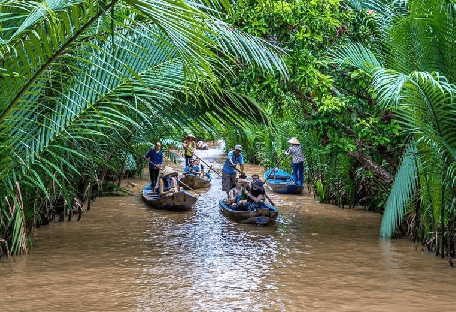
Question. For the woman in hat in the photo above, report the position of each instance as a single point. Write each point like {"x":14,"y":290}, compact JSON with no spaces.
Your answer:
{"x":189,"y":147}
{"x":168,"y":182}
{"x":295,"y":151}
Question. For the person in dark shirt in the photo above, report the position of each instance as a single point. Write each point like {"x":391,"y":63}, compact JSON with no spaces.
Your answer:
{"x":155,"y":157}
{"x":255,"y":195}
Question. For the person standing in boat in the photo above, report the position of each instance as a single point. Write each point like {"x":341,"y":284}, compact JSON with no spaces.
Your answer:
{"x":155,"y":157}
{"x":189,"y":148}
{"x":168,"y":184}
{"x":295,"y":151}
{"x":233,"y":158}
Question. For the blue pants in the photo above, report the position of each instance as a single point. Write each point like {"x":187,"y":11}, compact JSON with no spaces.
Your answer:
{"x":187,"y":160}
{"x":153,"y":176}
{"x":298,"y":173}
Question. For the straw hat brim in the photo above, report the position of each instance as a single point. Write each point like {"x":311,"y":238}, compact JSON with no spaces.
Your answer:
{"x":293,"y":141}
{"x":190,"y":137}
{"x":168,"y":170}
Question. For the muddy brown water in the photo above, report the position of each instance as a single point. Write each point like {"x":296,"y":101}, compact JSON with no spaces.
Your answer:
{"x":125,"y":256}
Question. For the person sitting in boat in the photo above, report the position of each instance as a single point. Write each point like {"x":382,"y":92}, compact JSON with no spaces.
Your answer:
{"x":237,"y":193}
{"x":168,"y":182}
{"x":255,"y":196}
{"x":192,"y":168}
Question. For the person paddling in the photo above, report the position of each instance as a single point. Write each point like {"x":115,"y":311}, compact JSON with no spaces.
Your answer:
{"x":295,"y":151}
{"x":189,"y":148}
{"x":155,"y":157}
{"x":233,"y":158}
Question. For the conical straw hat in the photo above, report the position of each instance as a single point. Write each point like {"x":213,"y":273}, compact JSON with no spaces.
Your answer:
{"x":168,"y":170}
{"x":190,"y":137}
{"x":293,"y":141}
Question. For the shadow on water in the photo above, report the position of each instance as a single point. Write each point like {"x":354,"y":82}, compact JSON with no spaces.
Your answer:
{"x":125,"y":256}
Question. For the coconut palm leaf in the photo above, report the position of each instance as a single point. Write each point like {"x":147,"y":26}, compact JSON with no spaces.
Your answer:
{"x":403,"y":187}
{"x":74,"y":89}
{"x":356,"y":55}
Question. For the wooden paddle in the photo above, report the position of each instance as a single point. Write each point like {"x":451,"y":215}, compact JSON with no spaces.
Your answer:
{"x":265,"y":195}
{"x":188,"y":187}
{"x":277,"y":165}
{"x":210,"y":166}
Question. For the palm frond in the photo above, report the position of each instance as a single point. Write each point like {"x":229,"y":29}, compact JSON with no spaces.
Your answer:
{"x":357,"y":56}
{"x":402,"y":190}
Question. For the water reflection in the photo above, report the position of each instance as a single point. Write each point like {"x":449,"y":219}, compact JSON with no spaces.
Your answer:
{"x":125,"y":256}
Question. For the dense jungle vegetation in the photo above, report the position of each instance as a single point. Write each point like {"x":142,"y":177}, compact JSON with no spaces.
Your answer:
{"x":366,"y":86}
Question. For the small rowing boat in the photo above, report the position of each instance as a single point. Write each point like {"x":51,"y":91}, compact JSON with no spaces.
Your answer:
{"x":181,"y":200}
{"x":194,"y":181}
{"x":266,"y":214}
{"x":281,"y":182}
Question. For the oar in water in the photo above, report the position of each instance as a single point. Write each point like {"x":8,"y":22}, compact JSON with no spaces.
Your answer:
{"x":265,"y":195}
{"x":210,"y":166}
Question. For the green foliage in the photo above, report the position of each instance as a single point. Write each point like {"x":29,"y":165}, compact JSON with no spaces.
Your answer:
{"x":412,"y":70}
{"x":328,"y":109}
{"x":80,"y":91}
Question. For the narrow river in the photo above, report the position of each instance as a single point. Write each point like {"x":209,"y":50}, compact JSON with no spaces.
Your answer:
{"x":125,"y":256}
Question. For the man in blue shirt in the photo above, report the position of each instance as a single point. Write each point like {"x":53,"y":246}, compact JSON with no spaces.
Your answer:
{"x":229,"y":172}
{"x":155,"y":157}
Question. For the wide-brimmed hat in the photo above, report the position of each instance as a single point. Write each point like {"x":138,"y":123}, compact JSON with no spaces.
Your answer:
{"x":238,"y":147}
{"x":293,"y":141}
{"x":168,"y":171}
{"x":190,"y":137}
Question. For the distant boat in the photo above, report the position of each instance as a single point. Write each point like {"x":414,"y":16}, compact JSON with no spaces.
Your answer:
{"x":194,"y":181}
{"x":181,"y":200}
{"x":265,"y":215}
{"x":281,"y":182}
{"x":202,"y":145}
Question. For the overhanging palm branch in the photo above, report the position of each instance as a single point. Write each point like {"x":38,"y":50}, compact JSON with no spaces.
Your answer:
{"x":69,"y":86}
{"x":426,"y":107}
{"x":417,"y":42}
{"x":402,"y":190}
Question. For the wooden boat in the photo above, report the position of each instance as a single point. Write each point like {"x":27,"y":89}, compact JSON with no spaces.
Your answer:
{"x":181,"y":200}
{"x":281,"y":182}
{"x":193,"y":181}
{"x":265,"y":215}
